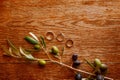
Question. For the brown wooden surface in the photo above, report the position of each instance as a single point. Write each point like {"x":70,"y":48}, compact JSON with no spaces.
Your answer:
{"x":94,"y":25}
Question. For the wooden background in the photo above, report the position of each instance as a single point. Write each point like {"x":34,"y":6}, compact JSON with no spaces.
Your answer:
{"x":93,"y":25}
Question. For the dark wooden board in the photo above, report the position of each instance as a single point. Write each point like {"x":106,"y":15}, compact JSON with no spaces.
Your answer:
{"x":93,"y":25}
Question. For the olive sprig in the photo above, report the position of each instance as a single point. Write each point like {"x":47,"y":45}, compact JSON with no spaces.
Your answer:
{"x":40,"y":44}
{"x":99,"y":69}
{"x":12,"y":50}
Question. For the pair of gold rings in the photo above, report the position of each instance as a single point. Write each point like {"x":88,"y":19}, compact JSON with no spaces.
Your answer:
{"x":60,"y":37}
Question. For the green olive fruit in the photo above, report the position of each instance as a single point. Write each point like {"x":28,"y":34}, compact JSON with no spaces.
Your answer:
{"x":55,"y":50}
{"x":97,"y":62}
{"x":42,"y":62}
{"x":103,"y":68}
{"x":37,"y":47}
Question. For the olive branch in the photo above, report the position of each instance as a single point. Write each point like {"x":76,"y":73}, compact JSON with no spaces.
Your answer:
{"x":40,"y":44}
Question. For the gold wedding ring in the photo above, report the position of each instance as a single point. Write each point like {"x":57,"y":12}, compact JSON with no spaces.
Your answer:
{"x":69,"y":43}
{"x":60,"y":37}
{"x":50,"y":35}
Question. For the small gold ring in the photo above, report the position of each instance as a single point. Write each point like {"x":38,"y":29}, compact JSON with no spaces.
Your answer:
{"x":69,"y":43}
{"x":60,"y":37}
{"x":50,"y":35}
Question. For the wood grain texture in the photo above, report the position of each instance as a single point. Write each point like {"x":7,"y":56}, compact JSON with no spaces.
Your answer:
{"x":94,"y":25}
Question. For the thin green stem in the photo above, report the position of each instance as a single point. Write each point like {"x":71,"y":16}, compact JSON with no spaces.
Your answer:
{"x":47,"y":53}
{"x":62,"y":54}
{"x":90,"y":63}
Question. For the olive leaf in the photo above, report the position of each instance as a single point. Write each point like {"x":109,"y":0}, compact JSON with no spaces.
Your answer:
{"x":34,"y":36}
{"x":26,"y":55}
{"x":31,"y":40}
{"x":26,"y":52}
{"x":8,"y":52}
{"x":11,"y":44}
{"x":88,"y":62}
{"x":11,"y":52}
{"x":43,"y":41}
{"x":13,"y":48}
